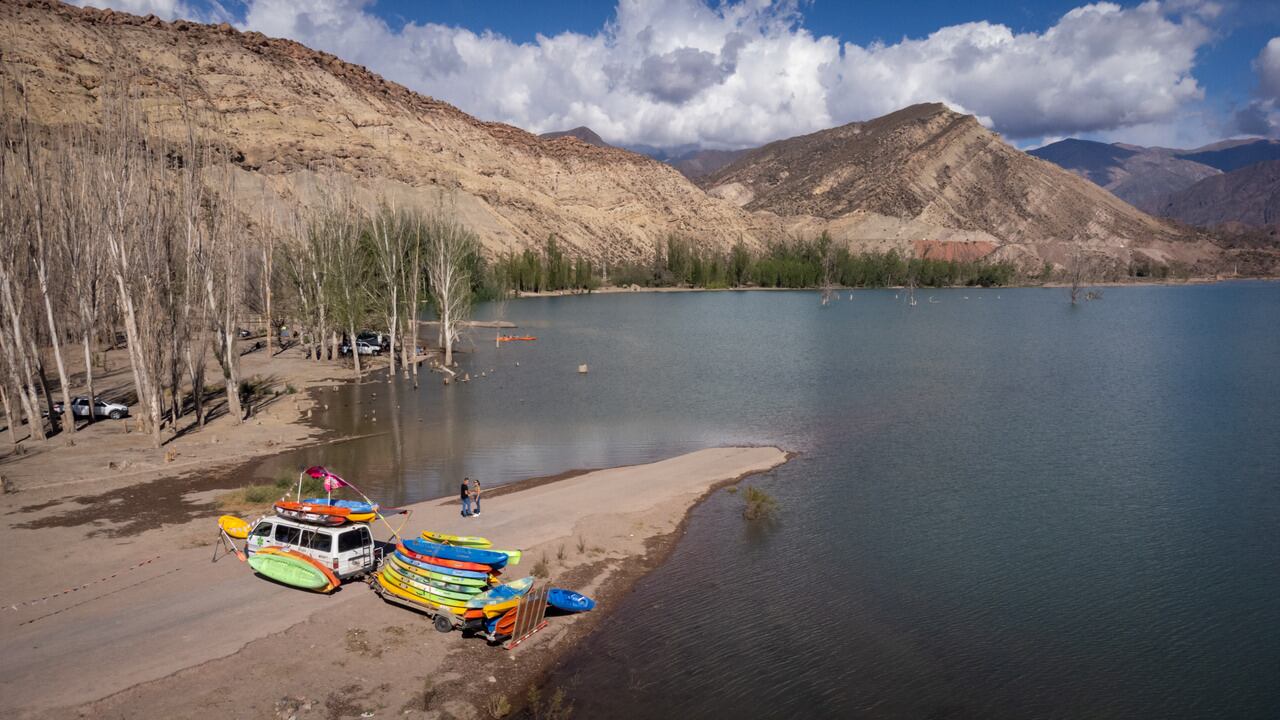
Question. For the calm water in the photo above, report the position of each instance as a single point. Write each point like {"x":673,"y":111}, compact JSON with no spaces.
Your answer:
{"x":1002,"y":507}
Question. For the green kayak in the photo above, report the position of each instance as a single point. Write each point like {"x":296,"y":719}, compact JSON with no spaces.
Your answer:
{"x":288,"y":570}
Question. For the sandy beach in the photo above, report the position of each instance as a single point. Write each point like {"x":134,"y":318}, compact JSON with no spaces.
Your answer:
{"x":157,"y":630}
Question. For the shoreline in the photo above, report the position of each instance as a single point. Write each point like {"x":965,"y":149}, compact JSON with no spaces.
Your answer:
{"x":628,"y":517}
{"x":618,"y":289}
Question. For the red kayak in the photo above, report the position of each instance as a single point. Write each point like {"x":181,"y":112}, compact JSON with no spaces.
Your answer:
{"x":443,"y":562}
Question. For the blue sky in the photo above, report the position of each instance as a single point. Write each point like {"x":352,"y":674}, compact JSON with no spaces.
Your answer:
{"x":673,"y":73}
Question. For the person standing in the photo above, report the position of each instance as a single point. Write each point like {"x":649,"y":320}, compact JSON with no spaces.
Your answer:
{"x":465,"y":496}
{"x":475,"y":496}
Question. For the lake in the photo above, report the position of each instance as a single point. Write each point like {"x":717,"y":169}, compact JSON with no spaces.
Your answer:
{"x":1002,"y":505}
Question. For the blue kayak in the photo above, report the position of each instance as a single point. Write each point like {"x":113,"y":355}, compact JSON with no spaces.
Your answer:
{"x":492,"y":558}
{"x":501,"y":593}
{"x":440,"y":569}
{"x":356,"y":506}
{"x":569,"y":601}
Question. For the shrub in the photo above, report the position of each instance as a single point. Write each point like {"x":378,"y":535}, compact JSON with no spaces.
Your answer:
{"x":760,"y":505}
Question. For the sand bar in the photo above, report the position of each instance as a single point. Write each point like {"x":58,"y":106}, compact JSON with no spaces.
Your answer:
{"x":179,"y":610}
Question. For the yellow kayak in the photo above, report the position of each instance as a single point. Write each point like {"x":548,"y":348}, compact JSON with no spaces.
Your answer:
{"x":234,"y":526}
{"x":493,"y":610}
{"x":459,"y":540}
{"x":390,"y":586}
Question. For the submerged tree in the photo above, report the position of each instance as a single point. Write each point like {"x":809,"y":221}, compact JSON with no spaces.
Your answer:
{"x":448,"y":247}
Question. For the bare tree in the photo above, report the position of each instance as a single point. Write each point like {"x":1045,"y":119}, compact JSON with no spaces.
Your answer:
{"x":391,"y":231}
{"x":448,"y":248}
{"x":37,"y":186}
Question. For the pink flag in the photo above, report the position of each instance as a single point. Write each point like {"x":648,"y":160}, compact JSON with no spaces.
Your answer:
{"x":333,"y":482}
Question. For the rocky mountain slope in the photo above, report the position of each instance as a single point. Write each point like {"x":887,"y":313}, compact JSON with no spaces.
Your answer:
{"x":700,"y":163}
{"x":585,"y":134}
{"x":1140,"y":176}
{"x":291,"y":111}
{"x":911,"y":181}
{"x":1249,"y":196}
{"x":928,"y":165}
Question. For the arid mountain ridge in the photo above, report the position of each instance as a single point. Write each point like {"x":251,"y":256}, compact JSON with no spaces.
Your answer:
{"x":913,"y":181}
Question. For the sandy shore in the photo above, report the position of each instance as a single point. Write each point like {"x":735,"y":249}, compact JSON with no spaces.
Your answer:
{"x":160,"y":631}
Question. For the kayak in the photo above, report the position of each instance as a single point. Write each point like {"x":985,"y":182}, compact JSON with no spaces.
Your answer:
{"x":463,"y":540}
{"x":358,"y":507}
{"x":234,"y":526}
{"x":569,"y":601}
{"x":293,"y":568}
{"x":315,"y":514}
{"x":466,"y":591}
{"x":445,"y":574}
{"x":419,"y":583}
{"x":467,"y":569}
{"x":507,"y":624}
{"x":406,"y":595}
{"x":513,"y":589}
{"x":357,"y":510}
{"x":511,"y":338}
{"x":473,"y":556}
{"x":389,"y":575}
{"x":493,"y":610}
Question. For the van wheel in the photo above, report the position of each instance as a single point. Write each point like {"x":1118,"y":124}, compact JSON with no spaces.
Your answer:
{"x":443,"y":624}
{"x":116,"y":415}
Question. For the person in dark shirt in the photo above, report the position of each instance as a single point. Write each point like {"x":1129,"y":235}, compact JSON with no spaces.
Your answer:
{"x":465,"y":495}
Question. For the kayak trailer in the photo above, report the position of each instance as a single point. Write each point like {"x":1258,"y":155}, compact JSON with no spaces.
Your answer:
{"x":444,"y":619}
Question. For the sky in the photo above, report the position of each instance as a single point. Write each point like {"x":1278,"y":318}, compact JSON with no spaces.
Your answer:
{"x":726,"y":75}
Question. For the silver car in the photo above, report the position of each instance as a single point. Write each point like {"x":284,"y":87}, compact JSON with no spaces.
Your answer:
{"x":101,"y":408}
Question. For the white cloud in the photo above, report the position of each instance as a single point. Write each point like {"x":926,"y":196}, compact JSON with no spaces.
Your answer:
{"x":676,"y":72}
{"x":1261,"y":116}
{"x":1268,"y":67}
{"x":211,"y":11}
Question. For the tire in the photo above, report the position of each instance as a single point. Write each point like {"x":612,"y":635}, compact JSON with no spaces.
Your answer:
{"x":443,"y":624}
{"x":115,"y":415}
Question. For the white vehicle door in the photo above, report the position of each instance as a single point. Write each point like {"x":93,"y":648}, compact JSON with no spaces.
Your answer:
{"x":355,"y":551}
{"x":260,"y":537}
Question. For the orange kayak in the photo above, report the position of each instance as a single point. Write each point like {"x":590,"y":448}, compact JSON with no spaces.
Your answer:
{"x":510,"y":338}
{"x":443,"y":562}
{"x":318,"y":514}
{"x":508,"y":622}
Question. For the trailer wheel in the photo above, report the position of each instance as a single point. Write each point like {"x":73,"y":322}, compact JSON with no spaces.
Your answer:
{"x":443,"y":624}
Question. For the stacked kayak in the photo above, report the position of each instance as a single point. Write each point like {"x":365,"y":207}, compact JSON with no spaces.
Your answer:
{"x":442,"y":576}
{"x":513,"y":556}
{"x":357,"y":510}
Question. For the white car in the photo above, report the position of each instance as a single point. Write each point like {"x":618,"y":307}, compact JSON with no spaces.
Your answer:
{"x":101,"y":408}
{"x":347,"y":550}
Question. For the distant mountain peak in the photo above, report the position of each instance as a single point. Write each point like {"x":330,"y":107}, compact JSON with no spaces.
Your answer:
{"x":582,"y":132}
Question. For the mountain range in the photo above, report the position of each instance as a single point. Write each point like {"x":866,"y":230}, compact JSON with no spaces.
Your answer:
{"x":1207,"y":186}
{"x":924,"y":180}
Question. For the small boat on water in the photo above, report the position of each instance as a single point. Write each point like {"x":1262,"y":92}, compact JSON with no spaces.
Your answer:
{"x":513,"y":338}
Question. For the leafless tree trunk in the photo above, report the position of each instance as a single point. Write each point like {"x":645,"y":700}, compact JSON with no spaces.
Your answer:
{"x":448,"y":246}
{"x":37,"y":186}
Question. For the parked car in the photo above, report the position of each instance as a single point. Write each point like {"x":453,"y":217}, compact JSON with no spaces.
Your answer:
{"x":348,"y":550}
{"x":101,"y":408}
{"x":363,"y":347}
{"x":373,"y":338}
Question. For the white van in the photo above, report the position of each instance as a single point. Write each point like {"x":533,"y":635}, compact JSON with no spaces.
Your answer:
{"x":348,"y":550}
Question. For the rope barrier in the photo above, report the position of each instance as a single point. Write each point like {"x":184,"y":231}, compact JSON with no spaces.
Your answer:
{"x":78,"y":588}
